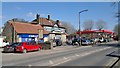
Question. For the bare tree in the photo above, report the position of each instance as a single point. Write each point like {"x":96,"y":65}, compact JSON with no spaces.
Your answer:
{"x":100,"y":24}
{"x":20,"y":20}
{"x":88,"y":25}
{"x":117,"y":29}
{"x":69,"y":27}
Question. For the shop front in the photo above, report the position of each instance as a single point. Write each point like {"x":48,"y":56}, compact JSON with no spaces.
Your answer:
{"x":28,"y":37}
{"x":31,"y":37}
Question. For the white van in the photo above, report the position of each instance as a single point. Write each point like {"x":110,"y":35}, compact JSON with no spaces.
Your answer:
{"x":2,"y":44}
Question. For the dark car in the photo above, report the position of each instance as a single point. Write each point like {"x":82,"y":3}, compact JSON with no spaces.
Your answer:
{"x":58,"y":42}
{"x":11,"y":47}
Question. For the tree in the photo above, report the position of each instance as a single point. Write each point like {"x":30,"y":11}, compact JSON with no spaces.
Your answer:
{"x":88,"y":25}
{"x":69,"y":28}
{"x":100,"y":24}
{"x":117,"y":28}
{"x":20,"y":20}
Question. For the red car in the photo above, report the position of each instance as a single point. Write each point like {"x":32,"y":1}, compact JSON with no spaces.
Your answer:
{"x":27,"y":46}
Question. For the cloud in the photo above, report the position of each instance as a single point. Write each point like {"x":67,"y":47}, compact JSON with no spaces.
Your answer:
{"x":30,"y":14}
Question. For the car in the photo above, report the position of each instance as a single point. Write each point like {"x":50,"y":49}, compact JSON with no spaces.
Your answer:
{"x":58,"y":42}
{"x":75,"y":41}
{"x":11,"y":47}
{"x":24,"y":47}
{"x":86,"y":42}
{"x":69,"y":42}
{"x":96,"y":40}
{"x":92,"y":41}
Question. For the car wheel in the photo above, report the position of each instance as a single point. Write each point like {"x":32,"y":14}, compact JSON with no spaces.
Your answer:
{"x":24,"y":51}
{"x":14,"y":50}
{"x":39,"y":49}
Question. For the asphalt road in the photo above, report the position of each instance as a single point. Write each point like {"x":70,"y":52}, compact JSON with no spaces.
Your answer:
{"x":74,"y":56}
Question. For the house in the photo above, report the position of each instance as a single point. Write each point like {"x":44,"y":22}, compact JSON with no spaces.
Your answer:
{"x":55,"y":28}
{"x":21,"y":32}
{"x":40,"y":29}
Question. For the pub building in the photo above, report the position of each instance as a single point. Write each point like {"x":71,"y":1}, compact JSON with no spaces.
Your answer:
{"x":41,"y":29}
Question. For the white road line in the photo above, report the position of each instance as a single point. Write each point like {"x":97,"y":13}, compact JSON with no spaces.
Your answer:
{"x":111,"y":62}
{"x":51,"y":62}
{"x":61,"y":62}
{"x":29,"y":65}
{"x":83,"y":55}
{"x":65,"y":58}
{"x":77,"y":55}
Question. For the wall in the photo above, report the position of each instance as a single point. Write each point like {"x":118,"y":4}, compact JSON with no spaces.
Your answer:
{"x":8,"y":32}
{"x":63,"y":38}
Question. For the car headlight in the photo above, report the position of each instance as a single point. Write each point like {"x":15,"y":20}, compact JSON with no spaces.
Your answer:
{"x":22,"y":47}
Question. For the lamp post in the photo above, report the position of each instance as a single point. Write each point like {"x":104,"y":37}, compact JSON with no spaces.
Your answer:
{"x":79,"y":25}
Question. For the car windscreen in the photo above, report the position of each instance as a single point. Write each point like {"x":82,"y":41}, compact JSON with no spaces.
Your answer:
{"x":15,"y":44}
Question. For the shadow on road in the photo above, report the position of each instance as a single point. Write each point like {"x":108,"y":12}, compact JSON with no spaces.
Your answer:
{"x":17,"y":52}
{"x":114,"y":54}
{"x":109,"y":45}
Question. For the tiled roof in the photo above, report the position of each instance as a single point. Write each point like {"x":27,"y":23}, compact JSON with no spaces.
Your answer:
{"x":27,"y":28}
{"x":45,"y":21}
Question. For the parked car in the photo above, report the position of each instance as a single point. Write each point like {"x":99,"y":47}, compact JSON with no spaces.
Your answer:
{"x":96,"y":40}
{"x":11,"y":47}
{"x":27,"y":46}
{"x":3,"y":43}
{"x":75,"y":41}
{"x":86,"y":42}
{"x":92,"y":41}
{"x":58,"y":42}
{"x":69,"y":42}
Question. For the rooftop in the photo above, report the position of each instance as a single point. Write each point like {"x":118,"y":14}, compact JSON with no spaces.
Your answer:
{"x":26,"y":28}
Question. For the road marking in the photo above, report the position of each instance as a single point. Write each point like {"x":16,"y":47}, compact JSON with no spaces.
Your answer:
{"x":61,"y":62}
{"x":65,"y":58}
{"x":29,"y":65}
{"x":81,"y":55}
{"x":112,"y":61}
{"x":77,"y":55}
{"x":51,"y":62}
{"x":86,"y":53}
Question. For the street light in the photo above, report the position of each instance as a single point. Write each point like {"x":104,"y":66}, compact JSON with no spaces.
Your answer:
{"x":79,"y":24}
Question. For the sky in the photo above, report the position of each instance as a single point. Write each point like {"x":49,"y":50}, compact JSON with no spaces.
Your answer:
{"x":63,"y":11}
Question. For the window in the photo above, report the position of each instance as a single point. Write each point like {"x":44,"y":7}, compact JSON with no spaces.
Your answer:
{"x":40,"y":33}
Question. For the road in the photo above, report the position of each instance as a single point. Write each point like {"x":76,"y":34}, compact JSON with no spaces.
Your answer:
{"x":73,"y":56}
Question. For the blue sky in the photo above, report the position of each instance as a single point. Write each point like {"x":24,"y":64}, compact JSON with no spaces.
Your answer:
{"x":64,"y":11}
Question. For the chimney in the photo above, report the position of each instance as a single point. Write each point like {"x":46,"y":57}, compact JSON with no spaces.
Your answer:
{"x":38,"y":18}
{"x":57,"y":21}
{"x":48,"y":17}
